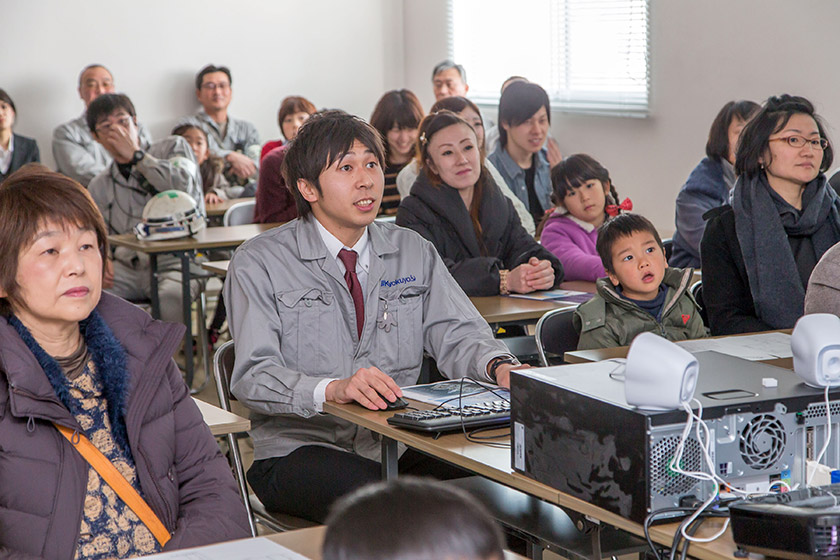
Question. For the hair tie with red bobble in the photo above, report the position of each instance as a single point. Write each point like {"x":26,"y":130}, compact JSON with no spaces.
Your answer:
{"x":615,"y":209}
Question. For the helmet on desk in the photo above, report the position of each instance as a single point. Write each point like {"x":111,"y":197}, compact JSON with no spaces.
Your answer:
{"x":170,"y":215}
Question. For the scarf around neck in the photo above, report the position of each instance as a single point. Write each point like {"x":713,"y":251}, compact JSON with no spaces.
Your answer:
{"x":763,"y":223}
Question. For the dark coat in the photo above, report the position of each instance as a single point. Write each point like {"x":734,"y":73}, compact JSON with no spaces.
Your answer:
{"x":26,"y":151}
{"x":183,"y":476}
{"x":726,"y":286}
{"x":439,"y":215}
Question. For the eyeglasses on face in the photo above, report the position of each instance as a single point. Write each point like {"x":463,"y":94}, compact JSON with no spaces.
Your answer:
{"x":213,"y":86}
{"x":801,"y":141}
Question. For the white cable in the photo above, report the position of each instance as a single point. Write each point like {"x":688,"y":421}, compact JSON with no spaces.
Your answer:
{"x":827,"y":438}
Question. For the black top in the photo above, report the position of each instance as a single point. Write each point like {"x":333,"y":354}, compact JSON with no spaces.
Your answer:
{"x":438,"y":213}
{"x":534,"y":206}
{"x":25,"y":151}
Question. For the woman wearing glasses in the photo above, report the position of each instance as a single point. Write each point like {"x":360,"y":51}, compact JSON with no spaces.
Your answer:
{"x":759,"y":252}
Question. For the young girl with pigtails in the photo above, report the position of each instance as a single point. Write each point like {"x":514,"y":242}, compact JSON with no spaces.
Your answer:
{"x":584,"y":197}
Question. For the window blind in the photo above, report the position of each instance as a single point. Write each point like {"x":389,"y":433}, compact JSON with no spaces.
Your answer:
{"x":591,"y":56}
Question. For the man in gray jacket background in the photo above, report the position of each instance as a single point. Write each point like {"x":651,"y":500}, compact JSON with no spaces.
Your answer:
{"x":76,"y":153}
{"x":122,"y":190}
{"x":310,"y":328}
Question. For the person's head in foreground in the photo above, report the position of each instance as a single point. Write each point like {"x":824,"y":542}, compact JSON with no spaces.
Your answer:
{"x":334,"y":170}
{"x":411,"y":519}
{"x":632,"y":253}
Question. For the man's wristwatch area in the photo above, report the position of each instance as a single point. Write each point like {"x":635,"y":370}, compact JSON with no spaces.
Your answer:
{"x":494,"y":365}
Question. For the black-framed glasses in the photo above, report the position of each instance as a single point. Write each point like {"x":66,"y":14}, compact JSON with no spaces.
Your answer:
{"x":801,"y":141}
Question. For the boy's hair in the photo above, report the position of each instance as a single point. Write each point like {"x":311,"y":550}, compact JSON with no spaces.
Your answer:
{"x":771,"y":118}
{"x":446,"y":65}
{"x":104,"y":105}
{"x":623,"y":225}
{"x":292,"y":105}
{"x":445,"y":522}
{"x":321,"y":141}
{"x":209,"y":69}
{"x":29,"y":198}
{"x":519,"y":102}
{"x":398,"y":107}
{"x":717,"y":146}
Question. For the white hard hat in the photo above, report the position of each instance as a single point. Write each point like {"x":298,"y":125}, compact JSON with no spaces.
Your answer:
{"x":170,"y":215}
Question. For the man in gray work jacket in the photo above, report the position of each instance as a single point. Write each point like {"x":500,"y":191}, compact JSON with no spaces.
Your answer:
{"x":122,"y":190}
{"x":77,"y":154}
{"x":234,"y":140}
{"x":310,"y":329}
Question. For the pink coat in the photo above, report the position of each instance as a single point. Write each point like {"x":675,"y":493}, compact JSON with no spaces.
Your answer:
{"x":573,"y":242}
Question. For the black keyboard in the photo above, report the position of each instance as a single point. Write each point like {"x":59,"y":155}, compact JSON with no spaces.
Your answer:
{"x":492,"y":413}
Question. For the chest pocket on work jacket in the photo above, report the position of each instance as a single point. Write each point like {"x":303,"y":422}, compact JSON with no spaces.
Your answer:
{"x":399,"y":328}
{"x":310,"y":318}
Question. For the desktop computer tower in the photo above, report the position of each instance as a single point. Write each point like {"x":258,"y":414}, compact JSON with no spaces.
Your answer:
{"x":573,"y":430}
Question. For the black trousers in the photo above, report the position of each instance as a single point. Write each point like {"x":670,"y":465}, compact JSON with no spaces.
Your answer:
{"x":306,"y":482}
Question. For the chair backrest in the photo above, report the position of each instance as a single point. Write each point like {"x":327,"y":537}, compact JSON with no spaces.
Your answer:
{"x":239,"y":214}
{"x":697,"y":291}
{"x":556,"y":334}
{"x":668,"y":245}
{"x":222,"y":368}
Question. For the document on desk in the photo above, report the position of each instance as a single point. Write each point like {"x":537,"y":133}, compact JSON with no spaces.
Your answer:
{"x":569,"y":296}
{"x":250,"y":549}
{"x":452,"y":392}
{"x":754,"y":347}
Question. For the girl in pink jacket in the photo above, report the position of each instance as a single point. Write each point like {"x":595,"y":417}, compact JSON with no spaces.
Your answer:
{"x":584,"y":197}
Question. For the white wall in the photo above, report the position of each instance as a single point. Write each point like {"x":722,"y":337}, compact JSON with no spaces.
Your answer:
{"x":336,"y":53}
{"x":347,"y":53}
{"x":703,"y":54}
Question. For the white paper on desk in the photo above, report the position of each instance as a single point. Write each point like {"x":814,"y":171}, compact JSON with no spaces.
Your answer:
{"x":250,"y":549}
{"x":754,"y":347}
{"x":446,"y":393}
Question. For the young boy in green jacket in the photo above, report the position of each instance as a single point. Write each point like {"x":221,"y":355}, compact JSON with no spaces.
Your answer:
{"x":640,"y":293}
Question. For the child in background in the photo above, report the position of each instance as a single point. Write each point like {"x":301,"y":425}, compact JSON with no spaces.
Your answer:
{"x":216,"y":187}
{"x":641,"y":294}
{"x":445,"y":523}
{"x":584,"y":196}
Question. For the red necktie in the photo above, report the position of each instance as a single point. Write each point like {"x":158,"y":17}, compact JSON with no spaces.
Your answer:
{"x":349,"y":260}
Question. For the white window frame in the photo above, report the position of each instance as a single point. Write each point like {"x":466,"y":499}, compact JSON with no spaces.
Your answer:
{"x":633,"y":102}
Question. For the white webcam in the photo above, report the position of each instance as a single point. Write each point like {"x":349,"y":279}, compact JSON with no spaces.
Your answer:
{"x":815,"y":344}
{"x":659,"y":375}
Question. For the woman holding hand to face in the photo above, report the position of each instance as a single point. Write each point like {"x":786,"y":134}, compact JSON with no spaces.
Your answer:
{"x":758,"y":253}
{"x":457,"y":206}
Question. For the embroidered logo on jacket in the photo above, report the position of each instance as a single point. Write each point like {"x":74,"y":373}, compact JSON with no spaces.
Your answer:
{"x":392,"y":283}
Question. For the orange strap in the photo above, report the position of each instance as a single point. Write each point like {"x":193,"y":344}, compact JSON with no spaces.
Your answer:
{"x":117,"y":481}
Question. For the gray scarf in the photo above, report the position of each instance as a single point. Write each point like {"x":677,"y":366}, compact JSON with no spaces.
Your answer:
{"x":763,"y":223}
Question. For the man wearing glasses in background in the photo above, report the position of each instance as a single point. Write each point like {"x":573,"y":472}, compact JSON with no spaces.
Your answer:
{"x":76,"y":153}
{"x":235,"y":140}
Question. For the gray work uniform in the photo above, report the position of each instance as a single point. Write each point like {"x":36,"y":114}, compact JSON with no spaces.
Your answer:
{"x":78,"y":155}
{"x":292,"y":317}
{"x":172,"y":165}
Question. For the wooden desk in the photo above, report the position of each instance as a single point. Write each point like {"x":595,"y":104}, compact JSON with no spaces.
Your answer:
{"x":506,"y":309}
{"x":223,"y":206}
{"x":219,"y":268}
{"x":494,"y":463}
{"x":308,"y":542}
{"x":209,"y":238}
{"x":221,"y":422}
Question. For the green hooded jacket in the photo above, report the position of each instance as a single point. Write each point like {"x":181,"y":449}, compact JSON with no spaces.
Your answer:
{"x":609,"y":320}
